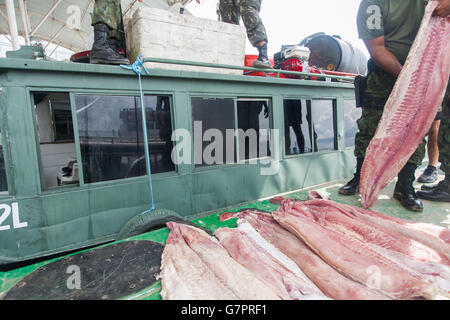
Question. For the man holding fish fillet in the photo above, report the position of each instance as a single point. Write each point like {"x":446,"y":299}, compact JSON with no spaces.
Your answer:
{"x":388,"y":29}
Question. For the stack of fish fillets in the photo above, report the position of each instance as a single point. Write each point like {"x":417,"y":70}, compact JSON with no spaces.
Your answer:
{"x":315,"y":249}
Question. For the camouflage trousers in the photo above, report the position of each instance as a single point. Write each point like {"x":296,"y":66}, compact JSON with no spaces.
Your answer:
{"x":109,"y":13}
{"x":444,"y":135}
{"x":232,"y":10}
{"x":379,"y":87}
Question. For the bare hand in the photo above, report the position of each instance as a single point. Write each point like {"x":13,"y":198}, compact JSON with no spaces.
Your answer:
{"x":443,"y":9}
{"x":198,"y":1}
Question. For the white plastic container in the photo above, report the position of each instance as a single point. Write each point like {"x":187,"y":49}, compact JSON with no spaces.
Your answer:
{"x":164,"y":34}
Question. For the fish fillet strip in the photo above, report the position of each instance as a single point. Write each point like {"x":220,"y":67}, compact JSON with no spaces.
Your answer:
{"x":411,"y":107}
{"x":330,"y":282}
{"x":287,"y":284}
{"x":343,"y":249}
{"x":408,"y":253}
{"x":196,"y":267}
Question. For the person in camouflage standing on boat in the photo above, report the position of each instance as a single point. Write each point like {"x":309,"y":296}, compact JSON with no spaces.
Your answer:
{"x":232,"y":10}
{"x":107,"y":22}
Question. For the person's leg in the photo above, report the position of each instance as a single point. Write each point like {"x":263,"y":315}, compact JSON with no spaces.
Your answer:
{"x":105,"y":19}
{"x":367,"y":125}
{"x":441,"y":192}
{"x":404,"y":189}
{"x":430,"y":173}
{"x":256,"y":32}
{"x":229,"y":12}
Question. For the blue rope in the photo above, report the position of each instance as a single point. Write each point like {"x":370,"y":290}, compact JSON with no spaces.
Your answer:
{"x":136,"y":67}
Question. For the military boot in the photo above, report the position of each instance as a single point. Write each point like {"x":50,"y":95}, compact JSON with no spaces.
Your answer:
{"x":263,"y":60}
{"x":101,"y":51}
{"x":404,"y":190}
{"x":439,"y":192}
{"x":352,"y":187}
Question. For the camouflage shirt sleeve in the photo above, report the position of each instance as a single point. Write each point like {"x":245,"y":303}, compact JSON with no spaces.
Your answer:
{"x":370,"y":19}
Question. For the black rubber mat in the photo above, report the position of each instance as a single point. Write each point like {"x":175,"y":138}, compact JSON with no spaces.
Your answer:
{"x":106,"y":273}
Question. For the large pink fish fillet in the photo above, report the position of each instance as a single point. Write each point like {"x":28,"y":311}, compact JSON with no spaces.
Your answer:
{"x":352,"y":256}
{"x":411,"y":107}
{"x":433,"y":236}
{"x":329,"y":281}
{"x":196,"y":267}
{"x":266,"y":267}
{"x":409,"y":254}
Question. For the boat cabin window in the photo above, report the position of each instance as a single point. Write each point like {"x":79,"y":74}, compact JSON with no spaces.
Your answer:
{"x":297,"y":126}
{"x":3,"y":181}
{"x":218,"y":126}
{"x":111,"y":136}
{"x":324,"y":128}
{"x":56,"y":140}
{"x":254,"y":121}
{"x":351,"y":116}
{"x":213,"y":131}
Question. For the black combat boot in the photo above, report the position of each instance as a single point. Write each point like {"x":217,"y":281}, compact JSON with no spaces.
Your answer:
{"x":101,"y":51}
{"x":404,"y":190}
{"x":352,"y":187}
{"x":439,"y":192}
{"x":262,"y":61}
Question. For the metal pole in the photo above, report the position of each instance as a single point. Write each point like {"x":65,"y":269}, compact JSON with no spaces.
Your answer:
{"x":24,"y":22}
{"x":12,"y":23}
{"x":45,"y":17}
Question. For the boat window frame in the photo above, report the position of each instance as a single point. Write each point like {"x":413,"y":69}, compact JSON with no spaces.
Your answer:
{"x":335,"y":100}
{"x":42,"y":190}
{"x":335,"y":122}
{"x":72,"y":93}
{"x":344,"y":100}
{"x":235,"y":99}
{"x":9,"y":172}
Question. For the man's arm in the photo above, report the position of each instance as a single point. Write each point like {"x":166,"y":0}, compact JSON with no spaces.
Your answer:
{"x":382,"y":56}
{"x":443,"y":9}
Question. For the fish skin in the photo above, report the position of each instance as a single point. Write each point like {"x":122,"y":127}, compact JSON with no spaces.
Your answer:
{"x":330,"y":282}
{"x":247,"y":252}
{"x":351,"y":256}
{"x":411,"y":107}
{"x":230,"y":274}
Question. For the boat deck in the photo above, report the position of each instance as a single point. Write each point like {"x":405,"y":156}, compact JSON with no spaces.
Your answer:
{"x":434,"y":212}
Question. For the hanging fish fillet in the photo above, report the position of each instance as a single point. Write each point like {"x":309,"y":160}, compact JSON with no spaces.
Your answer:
{"x":411,"y":107}
{"x":329,"y":281}
{"x":196,"y":267}
{"x":349,"y":253}
{"x":286,"y":282}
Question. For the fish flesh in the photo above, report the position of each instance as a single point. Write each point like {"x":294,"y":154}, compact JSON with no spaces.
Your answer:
{"x":408,"y":253}
{"x":196,"y":267}
{"x":286,"y":282}
{"x":433,"y":236}
{"x":328,"y":280}
{"x":338,"y":242}
{"x":411,"y":107}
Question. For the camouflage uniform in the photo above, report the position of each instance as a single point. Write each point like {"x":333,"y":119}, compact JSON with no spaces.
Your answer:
{"x":232,"y":10}
{"x":109,"y":12}
{"x":379,"y":87}
{"x":444,"y":135}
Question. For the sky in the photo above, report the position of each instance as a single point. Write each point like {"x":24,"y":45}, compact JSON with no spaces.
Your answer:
{"x":290,"y":21}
